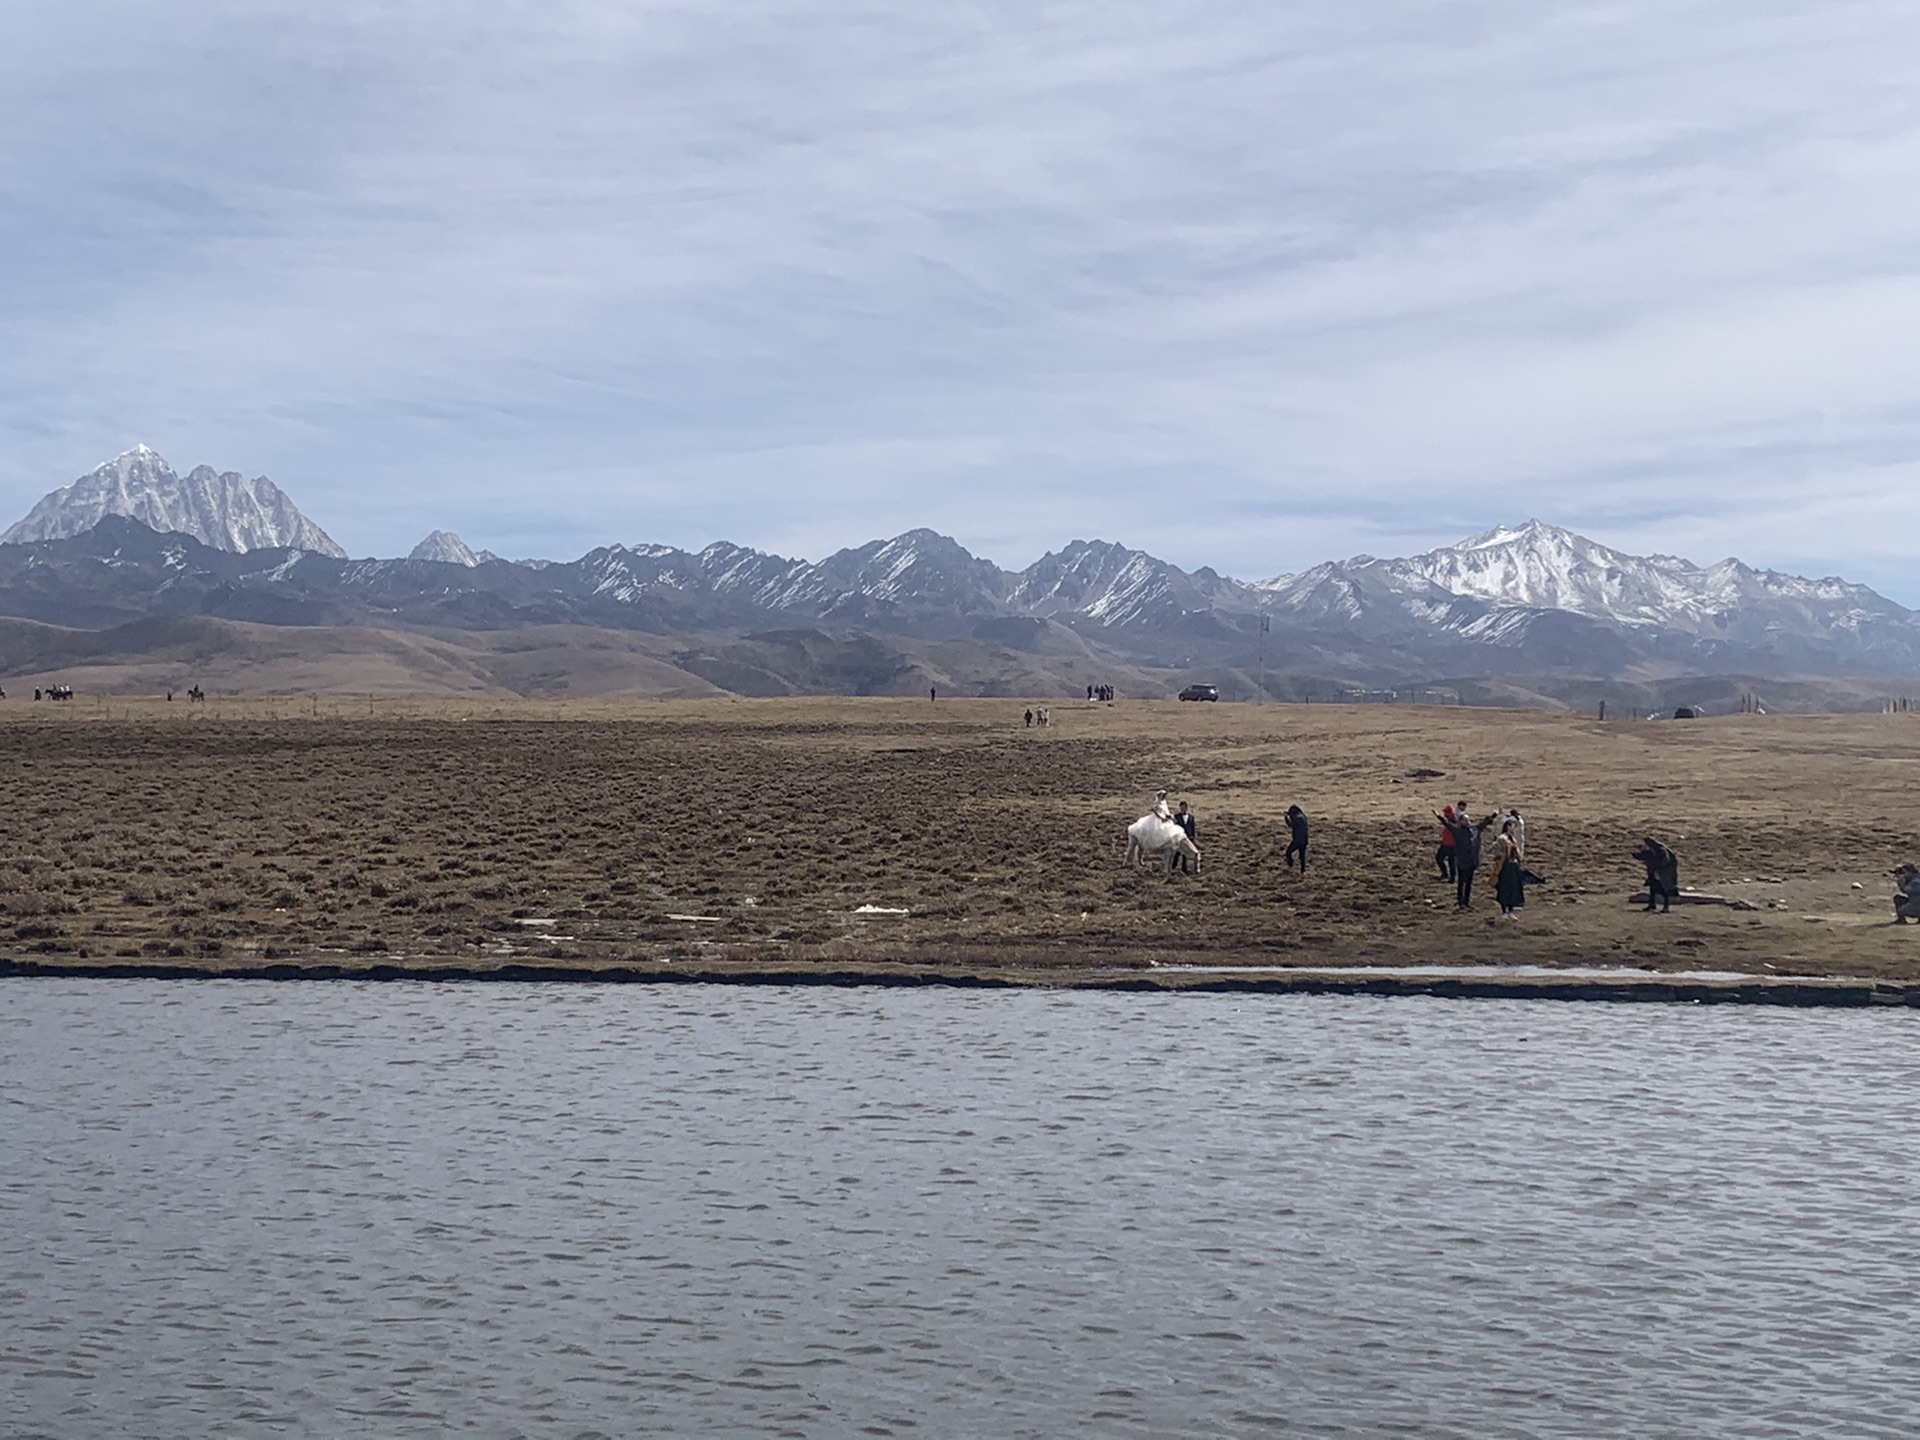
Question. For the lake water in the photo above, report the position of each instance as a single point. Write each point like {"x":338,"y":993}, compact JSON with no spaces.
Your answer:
{"x":398,"y":1210}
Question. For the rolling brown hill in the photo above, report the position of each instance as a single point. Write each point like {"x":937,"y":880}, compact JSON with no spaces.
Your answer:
{"x":162,"y":653}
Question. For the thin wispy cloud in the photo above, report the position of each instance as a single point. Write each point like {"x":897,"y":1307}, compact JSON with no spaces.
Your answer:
{"x":1250,"y":285}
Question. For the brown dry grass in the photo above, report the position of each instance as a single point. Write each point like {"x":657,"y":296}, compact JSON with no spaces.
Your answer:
{"x":270,"y":828}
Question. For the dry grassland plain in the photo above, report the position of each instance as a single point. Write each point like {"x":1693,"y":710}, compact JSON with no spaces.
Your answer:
{"x":750,"y":833}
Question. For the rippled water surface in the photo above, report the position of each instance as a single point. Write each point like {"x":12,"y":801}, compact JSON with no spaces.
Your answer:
{"x":335,"y":1209}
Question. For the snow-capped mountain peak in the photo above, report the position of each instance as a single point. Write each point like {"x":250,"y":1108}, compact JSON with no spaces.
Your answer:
{"x":224,"y":510}
{"x":1548,"y":568}
{"x":445,"y":548}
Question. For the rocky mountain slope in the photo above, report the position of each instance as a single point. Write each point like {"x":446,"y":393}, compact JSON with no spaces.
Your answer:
{"x":224,"y":510}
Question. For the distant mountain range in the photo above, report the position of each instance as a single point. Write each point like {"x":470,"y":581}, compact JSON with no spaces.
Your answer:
{"x":134,"y":540}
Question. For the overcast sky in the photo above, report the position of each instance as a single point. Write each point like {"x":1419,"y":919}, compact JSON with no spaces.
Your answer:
{"x":1245,"y":284}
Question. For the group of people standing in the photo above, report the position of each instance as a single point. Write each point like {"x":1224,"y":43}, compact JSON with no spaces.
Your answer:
{"x":1463,"y":851}
{"x":1100,"y":692}
{"x":1498,"y":842}
{"x":1464,"y":848}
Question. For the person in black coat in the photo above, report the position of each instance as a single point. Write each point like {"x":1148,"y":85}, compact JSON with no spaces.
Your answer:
{"x":1297,"y":843}
{"x":1183,"y":817}
{"x":1663,"y":873}
{"x":1466,"y":855}
{"x":1443,"y":856}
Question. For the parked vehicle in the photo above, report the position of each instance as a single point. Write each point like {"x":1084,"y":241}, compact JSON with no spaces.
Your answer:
{"x":1200,"y":692}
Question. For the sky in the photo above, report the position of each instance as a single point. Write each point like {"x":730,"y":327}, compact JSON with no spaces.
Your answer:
{"x":1250,"y":285}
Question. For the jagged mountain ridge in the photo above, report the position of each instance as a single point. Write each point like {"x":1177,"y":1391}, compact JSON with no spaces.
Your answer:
{"x":1527,"y":599}
{"x":222,"y":509}
{"x":1543,"y":567}
{"x":1366,"y":620}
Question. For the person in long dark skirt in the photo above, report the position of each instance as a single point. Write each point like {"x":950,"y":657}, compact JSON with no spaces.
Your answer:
{"x":1509,"y":877}
{"x":1297,"y":830}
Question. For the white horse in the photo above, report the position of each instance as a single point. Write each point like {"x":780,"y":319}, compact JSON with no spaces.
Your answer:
{"x":1150,"y":836}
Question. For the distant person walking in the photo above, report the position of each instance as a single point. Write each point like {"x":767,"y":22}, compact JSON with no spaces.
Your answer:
{"x":1663,"y":873}
{"x":1509,"y":880}
{"x":933,"y":694}
{"x":1029,"y":719}
{"x":1297,"y":837}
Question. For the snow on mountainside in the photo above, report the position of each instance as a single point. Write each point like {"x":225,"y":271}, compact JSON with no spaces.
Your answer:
{"x":1552,"y":569}
{"x":1541,"y":567}
{"x":919,"y":574}
{"x":1112,"y":585}
{"x":1501,"y":589}
{"x":227,"y":511}
{"x":920,"y":569}
{"x":445,"y":548}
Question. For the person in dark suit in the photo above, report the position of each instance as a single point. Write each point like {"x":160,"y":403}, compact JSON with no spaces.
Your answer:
{"x":1183,"y":817}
